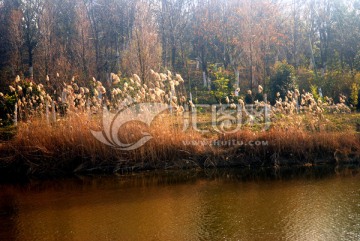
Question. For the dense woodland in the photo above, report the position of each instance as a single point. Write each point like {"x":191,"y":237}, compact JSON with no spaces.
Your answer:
{"x":244,"y":39}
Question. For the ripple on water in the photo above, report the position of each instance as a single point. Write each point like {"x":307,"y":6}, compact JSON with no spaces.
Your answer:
{"x":196,"y":208}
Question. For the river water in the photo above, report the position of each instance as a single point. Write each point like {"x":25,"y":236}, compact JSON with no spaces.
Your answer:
{"x":321,"y":203}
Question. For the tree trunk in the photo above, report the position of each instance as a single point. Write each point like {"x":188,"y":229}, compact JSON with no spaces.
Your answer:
{"x":173,"y":57}
{"x":204,"y":78}
{"x":295,"y":33}
{"x":31,"y":69}
{"x":237,"y":77}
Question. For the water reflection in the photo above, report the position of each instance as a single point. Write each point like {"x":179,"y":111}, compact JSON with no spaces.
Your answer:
{"x":320,"y":203}
{"x":8,"y":215}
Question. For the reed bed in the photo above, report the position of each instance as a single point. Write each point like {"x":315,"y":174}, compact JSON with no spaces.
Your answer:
{"x":53,"y":133}
{"x":67,"y":147}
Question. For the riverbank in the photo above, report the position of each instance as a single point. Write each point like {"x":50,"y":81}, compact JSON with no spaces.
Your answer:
{"x":68,"y":146}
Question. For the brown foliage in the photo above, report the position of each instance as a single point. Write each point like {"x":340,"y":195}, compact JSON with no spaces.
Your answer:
{"x":67,"y":146}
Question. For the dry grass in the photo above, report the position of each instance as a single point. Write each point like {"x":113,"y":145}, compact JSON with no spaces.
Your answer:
{"x":68,"y":146}
{"x":294,"y":146}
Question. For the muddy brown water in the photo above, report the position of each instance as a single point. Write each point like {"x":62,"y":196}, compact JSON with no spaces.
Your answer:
{"x":321,"y":203}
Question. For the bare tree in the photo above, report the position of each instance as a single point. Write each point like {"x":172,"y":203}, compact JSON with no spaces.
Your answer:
{"x":31,"y":13}
{"x":10,"y":38}
{"x":144,"y":50}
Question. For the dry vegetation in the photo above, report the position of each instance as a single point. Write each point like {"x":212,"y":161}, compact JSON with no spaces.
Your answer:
{"x":44,"y":146}
{"x":67,"y":146}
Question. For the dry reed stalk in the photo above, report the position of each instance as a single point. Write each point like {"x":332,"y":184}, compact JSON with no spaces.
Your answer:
{"x":68,"y":146}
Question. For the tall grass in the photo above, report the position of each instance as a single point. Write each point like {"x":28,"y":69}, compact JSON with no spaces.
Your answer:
{"x":51,"y":140}
{"x":68,"y":146}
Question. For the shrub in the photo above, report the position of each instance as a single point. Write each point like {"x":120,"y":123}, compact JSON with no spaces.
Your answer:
{"x":314,"y":92}
{"x":221,"y":86}
{"x":7,"y":104}
{"x":305,"y":78}
{"x":283,"y":80}
{"x":354,"y":94}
